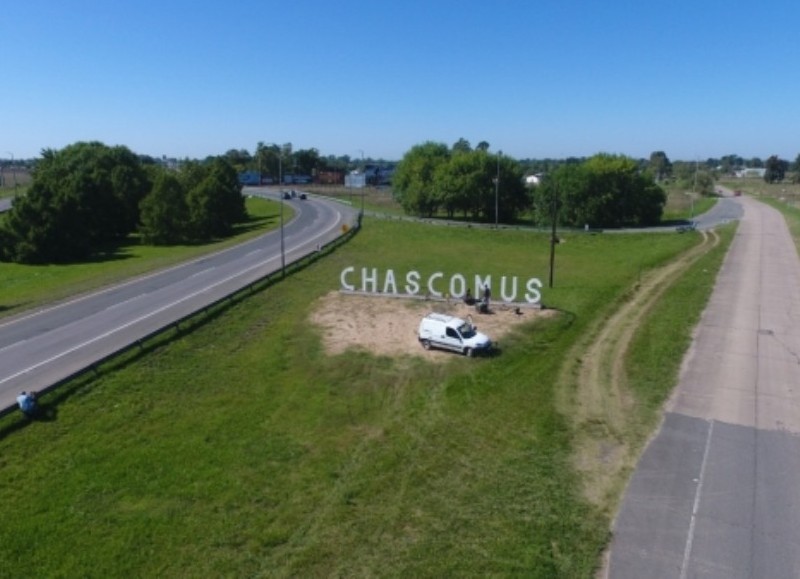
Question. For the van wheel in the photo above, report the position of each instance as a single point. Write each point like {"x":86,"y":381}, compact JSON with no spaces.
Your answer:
{"x":469,"y":352}
{"x":426,"y":344}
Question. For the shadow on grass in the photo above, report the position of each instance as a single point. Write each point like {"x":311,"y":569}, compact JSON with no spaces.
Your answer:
{"x":44,"y":413}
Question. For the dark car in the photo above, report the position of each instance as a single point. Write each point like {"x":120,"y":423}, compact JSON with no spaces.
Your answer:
{"x":286,"y":195}
{"x":302,"y":195}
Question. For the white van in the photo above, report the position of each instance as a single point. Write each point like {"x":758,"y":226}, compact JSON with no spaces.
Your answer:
{"x":451,"y":333}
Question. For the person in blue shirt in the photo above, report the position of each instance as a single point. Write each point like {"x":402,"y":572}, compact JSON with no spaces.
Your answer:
{"x":27,"y":403}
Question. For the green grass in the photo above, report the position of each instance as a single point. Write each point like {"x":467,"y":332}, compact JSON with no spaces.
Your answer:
{"x":657,"y":351}
{"x":242,"y":449}
{"x":682,"y":205}
{"x":29,"y":286}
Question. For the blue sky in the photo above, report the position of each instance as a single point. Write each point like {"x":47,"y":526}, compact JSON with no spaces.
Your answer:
{"x":533,"y":78}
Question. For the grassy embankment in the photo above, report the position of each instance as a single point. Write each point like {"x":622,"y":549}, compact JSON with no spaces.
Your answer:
{"x":242,"y":449}
{"x":24,"y":287}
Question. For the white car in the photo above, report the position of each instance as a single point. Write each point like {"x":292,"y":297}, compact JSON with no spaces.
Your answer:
{"x":452,"y":333}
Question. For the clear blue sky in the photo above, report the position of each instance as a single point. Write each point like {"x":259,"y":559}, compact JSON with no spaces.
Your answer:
{"x":535,"y":79}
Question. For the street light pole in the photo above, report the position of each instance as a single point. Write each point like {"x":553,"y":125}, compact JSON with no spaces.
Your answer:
{"x":13,"y":171}
{"x":363,"y":192}
{"x":553,"y":238}
{"x":280,"y":192}
{"x":497,"y":191}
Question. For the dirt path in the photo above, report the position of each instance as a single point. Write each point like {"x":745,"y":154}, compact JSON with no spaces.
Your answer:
{"x":594,"y":391}
{"x":388,"y":326}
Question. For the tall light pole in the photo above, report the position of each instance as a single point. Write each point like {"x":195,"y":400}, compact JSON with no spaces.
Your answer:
{"x":13,"y":171}
{"x":280,"y":191}
{"x":694,"y":187}
{"x":497,"y":191}
{"x":363,"y":192}
{"x":280,"y":194}
{"x":553,"y":238}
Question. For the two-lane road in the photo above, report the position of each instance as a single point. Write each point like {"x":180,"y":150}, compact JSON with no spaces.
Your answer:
{"x":717,"y":492}
{"x":43,"y":347}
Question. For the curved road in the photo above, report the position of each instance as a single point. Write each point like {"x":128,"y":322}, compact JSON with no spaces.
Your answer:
{"x":716,"y":494}
{"x":40,"y":348}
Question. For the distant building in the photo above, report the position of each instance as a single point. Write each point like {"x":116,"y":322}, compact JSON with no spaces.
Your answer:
{"x":330,"y":177}
{"x":250,"y":178}
{"x":751,"y":172}
{"x":533,"y":180}
{"x":379,"y":174}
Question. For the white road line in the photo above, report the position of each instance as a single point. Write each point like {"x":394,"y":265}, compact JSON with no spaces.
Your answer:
{"x":690,"y":538}
{"x":132,"y":322}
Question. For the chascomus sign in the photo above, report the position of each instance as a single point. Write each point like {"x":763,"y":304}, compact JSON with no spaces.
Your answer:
{"x":370,"y":280}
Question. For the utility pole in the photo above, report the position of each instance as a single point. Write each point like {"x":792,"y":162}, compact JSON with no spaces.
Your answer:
{"x":553,"y":238}
{"x":497,"y":191}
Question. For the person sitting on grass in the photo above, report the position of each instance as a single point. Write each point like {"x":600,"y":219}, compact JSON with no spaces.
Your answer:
{"x":27,"y":403}
{"x":468,"y":299}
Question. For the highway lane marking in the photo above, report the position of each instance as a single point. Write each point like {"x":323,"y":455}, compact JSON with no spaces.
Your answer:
{"x":135,"y":321}
{"x":690,"y":538}
{"x":14,"y":345}
{"x":205,"y":271}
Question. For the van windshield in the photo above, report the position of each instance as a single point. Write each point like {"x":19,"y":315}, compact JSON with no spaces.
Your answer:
{"x":466,"y":331}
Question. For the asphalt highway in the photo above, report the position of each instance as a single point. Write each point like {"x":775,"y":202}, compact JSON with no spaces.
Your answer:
{"x":716,"y":494}
{"x":42,"y":347}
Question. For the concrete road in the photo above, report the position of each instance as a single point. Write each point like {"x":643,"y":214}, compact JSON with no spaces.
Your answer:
{"x":43,"y":347}
{"x":716,"y":493}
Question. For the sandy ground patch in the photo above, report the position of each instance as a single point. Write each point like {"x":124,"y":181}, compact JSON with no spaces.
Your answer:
{"x":388,"y":326}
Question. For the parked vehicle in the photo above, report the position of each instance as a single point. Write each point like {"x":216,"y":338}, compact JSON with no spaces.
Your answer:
{"x":452,"y":333}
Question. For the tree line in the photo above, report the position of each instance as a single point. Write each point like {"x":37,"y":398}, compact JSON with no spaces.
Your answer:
{"x":89,"y":196}
{"x":603,"y":190}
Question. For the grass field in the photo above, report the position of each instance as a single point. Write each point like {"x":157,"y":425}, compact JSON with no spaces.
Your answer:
{"x":242,"y":449}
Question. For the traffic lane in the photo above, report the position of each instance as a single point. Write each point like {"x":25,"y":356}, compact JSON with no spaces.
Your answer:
{"x":28,"y":325}
{"x":37,"y":363}
{"x":724,"y":211}
{"x":739,"y":377}
{"x":63,"y":343}
{"x":651,"y":528}
{"x":710,"y":499}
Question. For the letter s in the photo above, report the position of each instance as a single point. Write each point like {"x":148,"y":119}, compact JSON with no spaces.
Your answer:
{"x":533,"y":296}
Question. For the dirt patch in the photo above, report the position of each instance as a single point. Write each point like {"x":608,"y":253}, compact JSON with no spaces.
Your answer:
{"x":388,"y":326}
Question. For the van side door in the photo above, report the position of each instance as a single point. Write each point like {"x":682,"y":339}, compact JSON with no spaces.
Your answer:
{"x":452,"y":340}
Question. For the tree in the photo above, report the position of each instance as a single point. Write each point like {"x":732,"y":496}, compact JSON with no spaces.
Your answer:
{"x":308,"y":161}
{"x":660,"y":166}
{"x":462,"y":146}
{"x":604,"y":191}
{"x":796,"y":170}
{"x":214,"y":199}
{"x":413,"y":181}
{"x":775,"y":169}
{"x":461,"y":182}
{"x":164,"y":213}
{"x":240,"y":159}
{"x":82,"y":198}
